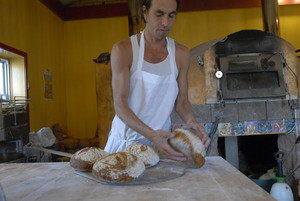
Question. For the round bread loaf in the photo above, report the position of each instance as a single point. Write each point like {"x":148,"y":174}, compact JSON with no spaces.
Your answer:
{"x":146,"y":153}
{"x":85,"y":158}
{"x":119,"y":167}
{"x":191,"y":146}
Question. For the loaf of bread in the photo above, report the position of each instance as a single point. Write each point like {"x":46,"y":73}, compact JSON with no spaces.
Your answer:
{"x":191,"y":146}
{"x":85,"y":158}
{"x":146,"y":153}
{"x":119,"y":167}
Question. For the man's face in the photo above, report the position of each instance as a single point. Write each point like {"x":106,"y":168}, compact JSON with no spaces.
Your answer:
{"x":160,"y":17}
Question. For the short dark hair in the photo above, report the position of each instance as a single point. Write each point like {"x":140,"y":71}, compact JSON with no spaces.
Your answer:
{"x":147,"y":4}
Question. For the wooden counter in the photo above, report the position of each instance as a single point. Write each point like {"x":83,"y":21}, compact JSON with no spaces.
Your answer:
{"x":216,"y":180}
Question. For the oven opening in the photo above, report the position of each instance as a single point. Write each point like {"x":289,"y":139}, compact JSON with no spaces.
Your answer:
{"x":252,"y":80}
{"x":251,"y":76}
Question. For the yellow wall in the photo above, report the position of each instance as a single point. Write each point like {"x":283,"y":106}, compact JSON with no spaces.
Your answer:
{"x":290,"y":24}
{"x":67,"y":48}
{"x":84,"y":41}
{"x":29,"y":26}
{"x":195,"y":28}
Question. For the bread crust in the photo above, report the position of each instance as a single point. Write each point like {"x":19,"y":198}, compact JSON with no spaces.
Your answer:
{"x":186,"y":142}
{"x":79,"y":162}
{"x":146,"y":153}
{"x":81,"y":165}
{"x":119,"y":167}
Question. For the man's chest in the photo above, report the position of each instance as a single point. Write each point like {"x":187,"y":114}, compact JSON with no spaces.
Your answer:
{"x":155,"y":56}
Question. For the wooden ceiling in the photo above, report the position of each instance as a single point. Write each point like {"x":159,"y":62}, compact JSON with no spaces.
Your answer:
{"x":87,"y":9}
{"x":80,"y":3}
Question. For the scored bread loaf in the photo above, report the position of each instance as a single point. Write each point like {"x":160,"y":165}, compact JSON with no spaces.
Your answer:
{"x":191,"y":146}
{"x":119,"y":167}
{"x":146,"y":153}
{"x":85,"y":158}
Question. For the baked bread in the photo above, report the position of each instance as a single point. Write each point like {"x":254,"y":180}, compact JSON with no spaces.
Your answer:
{"x":146,"y":153}
{"x":191,"y":146}
{"x":119,"y":167}
{"x":85,"y":158}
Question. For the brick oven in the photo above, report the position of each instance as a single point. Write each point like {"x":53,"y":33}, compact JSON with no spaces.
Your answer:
{"x":252,"y":63}
{"x":255,"y":101}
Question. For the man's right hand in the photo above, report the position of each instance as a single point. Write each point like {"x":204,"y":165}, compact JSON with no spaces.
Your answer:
{"x":160,"y":139}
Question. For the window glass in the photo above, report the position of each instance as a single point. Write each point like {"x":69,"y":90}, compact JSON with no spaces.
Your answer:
{"x":1,"y":78}
{"x":4,"y":79}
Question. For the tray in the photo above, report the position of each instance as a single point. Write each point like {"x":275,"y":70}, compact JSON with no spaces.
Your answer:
{"x":165,"y":170}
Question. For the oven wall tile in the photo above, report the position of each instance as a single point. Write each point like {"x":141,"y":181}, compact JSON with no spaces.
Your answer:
{"x":279,"y":110}
{"x":252,"y":111}
{"x":229,"y":113}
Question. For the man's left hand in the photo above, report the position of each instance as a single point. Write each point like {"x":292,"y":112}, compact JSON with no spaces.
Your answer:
{"x":198,"y":130}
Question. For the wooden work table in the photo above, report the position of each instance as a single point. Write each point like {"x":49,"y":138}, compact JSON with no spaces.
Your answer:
{"x":216,"y":180}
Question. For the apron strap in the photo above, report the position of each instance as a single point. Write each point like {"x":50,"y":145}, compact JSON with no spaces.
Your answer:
{"x":141,"y":52}
{"x":171,"y":56}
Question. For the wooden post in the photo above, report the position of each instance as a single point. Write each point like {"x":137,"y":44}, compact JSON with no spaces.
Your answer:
{"x":105,"y":108}
{"x":135,"y":20}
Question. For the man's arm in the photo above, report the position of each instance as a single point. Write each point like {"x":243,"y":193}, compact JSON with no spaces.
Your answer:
{"x":121,"y":60}
{"x":182,"y":105}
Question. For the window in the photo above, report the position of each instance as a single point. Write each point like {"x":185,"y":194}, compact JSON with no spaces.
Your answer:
{"x":4,"y":79}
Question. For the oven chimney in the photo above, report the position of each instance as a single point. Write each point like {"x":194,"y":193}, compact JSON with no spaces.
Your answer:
{"x":135,"y":20}
{"x":270,"y":16}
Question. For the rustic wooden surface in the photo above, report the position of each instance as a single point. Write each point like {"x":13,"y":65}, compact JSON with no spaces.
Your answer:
{"x":216,"y":180}
{"x":105,"y":107}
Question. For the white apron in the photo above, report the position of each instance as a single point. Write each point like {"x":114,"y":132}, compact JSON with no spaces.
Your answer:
{"x":151,"y":98}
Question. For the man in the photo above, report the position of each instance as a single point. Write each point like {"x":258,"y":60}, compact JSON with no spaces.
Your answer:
{"x":149,"y":77}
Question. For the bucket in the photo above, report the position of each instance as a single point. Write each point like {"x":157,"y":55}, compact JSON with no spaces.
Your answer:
{"x":12,"y":158}
{"x":265,"y":184}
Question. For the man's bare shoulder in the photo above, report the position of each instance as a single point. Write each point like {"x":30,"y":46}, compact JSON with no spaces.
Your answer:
{"x":123,"y":45}
{"x":121,"y":54}
{"x":182,"y":48}
{"x":182,"y":54}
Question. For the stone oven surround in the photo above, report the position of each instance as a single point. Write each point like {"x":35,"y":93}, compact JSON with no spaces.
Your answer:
{"x":203,"y":84}
{"x":245,"y":116}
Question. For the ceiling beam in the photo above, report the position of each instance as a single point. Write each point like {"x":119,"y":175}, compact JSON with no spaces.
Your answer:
{"x":196,"y":5}
{"x":97,"y":11}
{"x":121,"y":9}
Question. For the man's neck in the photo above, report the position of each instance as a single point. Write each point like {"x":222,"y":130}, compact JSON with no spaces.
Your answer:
{"x":154,"y":42}
{"x":155,"y":49}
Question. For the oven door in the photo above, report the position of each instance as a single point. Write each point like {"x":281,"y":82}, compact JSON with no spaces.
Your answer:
{"x":251,"y":76}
